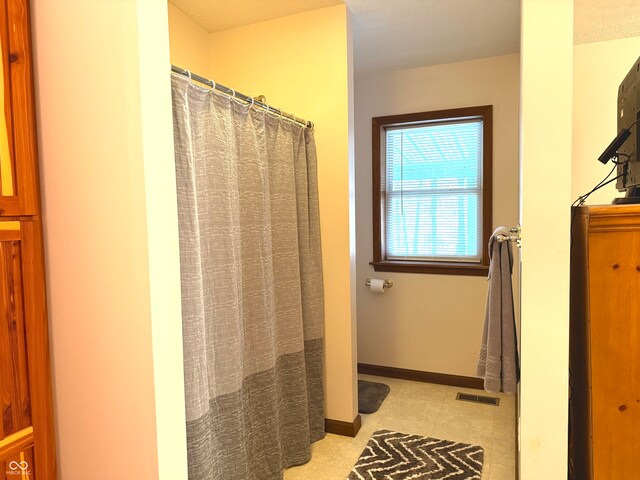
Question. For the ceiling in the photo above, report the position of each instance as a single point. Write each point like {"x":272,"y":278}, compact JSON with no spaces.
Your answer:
{"x":399,"y":34}
{"x":389,"y":34}
{"x":217,"y":15}
{"x":597,"y":21}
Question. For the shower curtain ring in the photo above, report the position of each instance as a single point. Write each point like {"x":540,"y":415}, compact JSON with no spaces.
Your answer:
{"x":189,"y":74}
{"x":213,"y":85}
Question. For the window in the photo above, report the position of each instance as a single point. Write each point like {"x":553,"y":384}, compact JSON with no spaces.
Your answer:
{"x":432,"y":191}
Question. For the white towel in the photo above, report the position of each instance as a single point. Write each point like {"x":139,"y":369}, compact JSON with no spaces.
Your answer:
{"x":498,"y":363}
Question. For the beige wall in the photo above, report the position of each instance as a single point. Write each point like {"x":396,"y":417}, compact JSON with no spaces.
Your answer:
{"x":107,"y":176}
{"x":598,"y":70}
{"x":301,"y":64}
{"x":545,"y":149}
{"x":189,"y":43}
{"x":163,"y":250}
{"x":432,"y":322}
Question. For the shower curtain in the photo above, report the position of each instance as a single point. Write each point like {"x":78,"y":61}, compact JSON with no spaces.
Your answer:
{"x":252,"y":297}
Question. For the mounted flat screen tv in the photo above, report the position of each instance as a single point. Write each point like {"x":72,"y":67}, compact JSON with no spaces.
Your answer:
{"x":624,"y":148}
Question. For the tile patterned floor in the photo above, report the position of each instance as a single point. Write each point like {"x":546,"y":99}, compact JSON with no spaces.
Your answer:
{"x":424,"y":409}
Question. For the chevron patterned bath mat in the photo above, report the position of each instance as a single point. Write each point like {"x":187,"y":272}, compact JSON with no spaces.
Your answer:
{"x":399,"y":456}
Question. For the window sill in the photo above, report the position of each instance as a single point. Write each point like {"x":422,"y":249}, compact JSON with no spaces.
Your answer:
{"x":440,"y":268}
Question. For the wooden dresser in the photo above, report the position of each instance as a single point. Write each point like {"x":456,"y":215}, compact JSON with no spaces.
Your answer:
{"x":26,"y":421}
{"x":604,"y":440}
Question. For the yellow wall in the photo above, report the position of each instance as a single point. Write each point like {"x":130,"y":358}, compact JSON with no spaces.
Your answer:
{"x":432,"y":322}
{"x":598,"y":71}
{"x":110,"y":228}
{"x":189,"y":43}
{"x":546,"y":126}
{"x":300,"y":63}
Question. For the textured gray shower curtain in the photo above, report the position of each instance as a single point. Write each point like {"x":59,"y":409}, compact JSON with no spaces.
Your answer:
{"x":252,"y":298}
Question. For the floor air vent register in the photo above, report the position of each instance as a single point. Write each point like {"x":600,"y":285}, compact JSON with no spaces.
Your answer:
{"x":467,"y":397}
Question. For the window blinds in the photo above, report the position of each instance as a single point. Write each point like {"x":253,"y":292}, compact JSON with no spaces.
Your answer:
{"x":432,"y":190}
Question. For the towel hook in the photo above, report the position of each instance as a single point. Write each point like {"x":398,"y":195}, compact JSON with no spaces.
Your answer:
{"x":514,"y":236}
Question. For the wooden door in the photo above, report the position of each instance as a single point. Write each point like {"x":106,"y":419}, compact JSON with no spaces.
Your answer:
{"x":26,"y":428}
{"x":26,"y":420}
{"x":18,"y":161}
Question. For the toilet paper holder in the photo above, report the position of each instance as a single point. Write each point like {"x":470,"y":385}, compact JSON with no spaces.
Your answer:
{"x":387,"y":283}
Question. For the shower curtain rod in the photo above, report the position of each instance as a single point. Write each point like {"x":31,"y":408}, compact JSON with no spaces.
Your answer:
{"x":240,"y":96}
